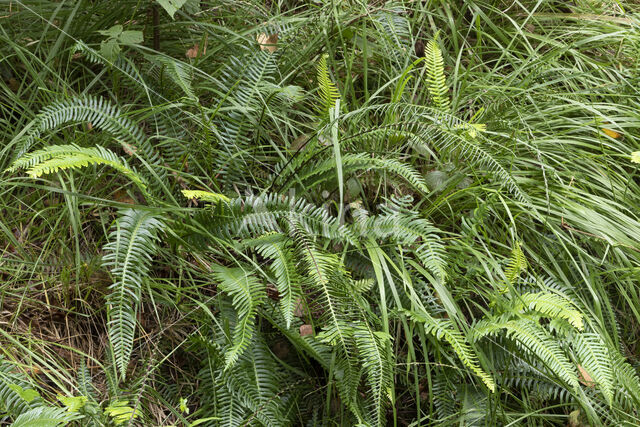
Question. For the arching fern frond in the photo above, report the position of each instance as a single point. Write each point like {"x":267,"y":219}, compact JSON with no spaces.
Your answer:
{"x":178,"y":71}
{"x":594,"y":357}
{"x":288,"y":279}
{"x":61,"y":157}
{"x":44,"y":416}
{"x":133,"y":240}
{"x":552,"y":306}
{"x":445,"y":328}
{"x":536,"y":341}
{"x":97,"y":111}
{"x":247,"y":295}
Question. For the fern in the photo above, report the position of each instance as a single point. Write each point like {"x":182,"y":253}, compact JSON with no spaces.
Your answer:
{"x":594,"y":357}
{"x":133,"y":240}
{"x":436,"y":80}
{"x":373,"y":352}
{"x":205,"y":196}
{"x":61,"y":157}
{"x":328,"y":91}
{"x":178,"y":72}
{"x":247,"y":294}
{"x":517,"y":264}
{"x":537,"y":342}
{"x":287,"y":277}
{"x":96,"y":111}
{"x":44,"y":416}
{"x":551,"y":305}
{"x":445,"y":328}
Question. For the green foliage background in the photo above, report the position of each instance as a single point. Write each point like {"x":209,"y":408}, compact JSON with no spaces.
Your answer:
{"x":319,"y":212}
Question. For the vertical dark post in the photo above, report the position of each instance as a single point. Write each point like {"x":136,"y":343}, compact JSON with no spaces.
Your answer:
{"x":156,"y":27}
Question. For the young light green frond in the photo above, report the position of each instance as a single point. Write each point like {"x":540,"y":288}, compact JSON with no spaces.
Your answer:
{"x":552,"y":306}
{"x":60,"y":157}
{"x":132,"y":243}
{"x":517,"y":264}
{"x":247,"y":295}
{"x":445,"y":329}
{"x":436,"y":80}
{"x":593,"y":355}
{"x":205,"y":196}
{"x":328,"y":91}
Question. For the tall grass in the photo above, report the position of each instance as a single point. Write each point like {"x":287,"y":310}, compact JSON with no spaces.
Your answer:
{"x":319,"y":213}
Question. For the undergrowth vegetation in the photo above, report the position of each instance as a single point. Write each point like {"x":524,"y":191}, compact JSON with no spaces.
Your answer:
{"x":401,"y":213}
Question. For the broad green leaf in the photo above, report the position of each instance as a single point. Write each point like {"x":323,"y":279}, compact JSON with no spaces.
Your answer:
{"x":27,"y":395}
{"x":110,"y":49}
{"x":112,"y":32}
{"x":73,"y":403}
{"x":171,"y":6}
{"x":131,"y":37}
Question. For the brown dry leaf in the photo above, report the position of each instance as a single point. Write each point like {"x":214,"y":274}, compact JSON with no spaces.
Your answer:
{"x":306,"y":330}
{"x":585,"y":378}
{"x":194,"y":52}
{"x":89,"y":125}
{"x":267,"y":42}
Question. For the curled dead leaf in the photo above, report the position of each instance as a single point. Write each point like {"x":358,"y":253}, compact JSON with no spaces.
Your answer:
{"x":267,"y":42}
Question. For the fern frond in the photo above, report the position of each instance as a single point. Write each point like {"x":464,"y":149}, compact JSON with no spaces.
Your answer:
{"x":205,"y":196}
{"x":133,"y":240}
{"x":537,"y":342}
{"x":44,"y":416}
{"x":594,"y":357}
{"x":445,"y":328}
{"x":373,"y":351}
{"x":328,"y":91}
{"x":436,"y":80}
{"x":403,"y":226}
{"x":552,"y":306}
{"x":178,"y":71}
{"x":97,"y":111}
{"x":247,"y":295}
{"x":517,"y":263}
{"x":11,"y":383}
{"x":61,"y":157}
{"x":288,"y":279}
